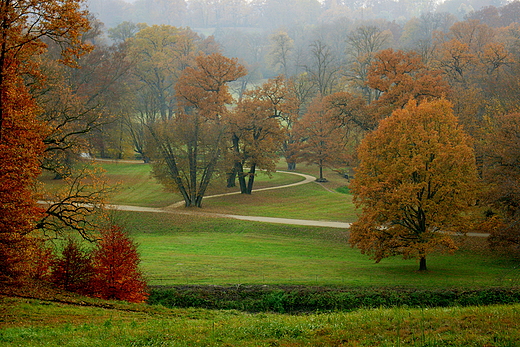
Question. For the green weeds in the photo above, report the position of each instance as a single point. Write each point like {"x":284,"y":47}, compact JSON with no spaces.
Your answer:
{"x":456,"y":326}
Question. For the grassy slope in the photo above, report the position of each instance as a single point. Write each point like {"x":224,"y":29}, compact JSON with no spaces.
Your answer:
{"x":35,"y":323}
{"x":186,"y":250}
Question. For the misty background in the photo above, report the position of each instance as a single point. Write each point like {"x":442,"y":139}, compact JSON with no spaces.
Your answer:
{"x":254,"y":31}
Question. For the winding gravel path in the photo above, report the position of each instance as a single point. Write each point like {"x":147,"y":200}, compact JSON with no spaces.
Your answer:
{"x":175,"y":209}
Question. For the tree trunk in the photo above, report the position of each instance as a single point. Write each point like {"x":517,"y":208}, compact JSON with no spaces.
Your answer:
{"x":291,"y":166}
{"x":422,"y":264}
{"x":251,"y":179}
{"x":241,"y":178}
{"x":231,"y":178}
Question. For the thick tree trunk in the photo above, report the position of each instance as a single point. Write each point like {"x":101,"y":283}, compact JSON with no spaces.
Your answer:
{"x":422,"y":264}
{"x":251,"y":179}
{"x":241,"y":178}
{"x":291,"y":166}
{"x":231,"y":178}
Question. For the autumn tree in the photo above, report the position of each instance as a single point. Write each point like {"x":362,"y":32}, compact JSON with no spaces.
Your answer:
{"x":321,"y":141}
{"x":398,"y":76}
{"x":116,"y":274}
{"x":501,"y":156}
{"x":363,"y":43}
{"x":189,"y":145}
{"x":81,"y":107}
{"x":25,"y":26}
{"x":475,"y":63}
{"x":349,"y":111}
{"x":416,"y":178}
{"x":158,"y":55}
{"x":257,"y":131}
{"x":73,"y":270}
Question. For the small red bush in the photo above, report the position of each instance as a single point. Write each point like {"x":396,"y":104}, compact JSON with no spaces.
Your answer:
{"x":73,"y":271}
{"x":116,"y":274}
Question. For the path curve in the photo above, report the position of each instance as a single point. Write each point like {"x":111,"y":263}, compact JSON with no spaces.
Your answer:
{"x":174,"y":209}
{"x":307,"y":179}
{"x":273,"y":220}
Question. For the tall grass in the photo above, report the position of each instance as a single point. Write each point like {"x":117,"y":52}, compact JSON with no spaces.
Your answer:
{"x":53,"y":324}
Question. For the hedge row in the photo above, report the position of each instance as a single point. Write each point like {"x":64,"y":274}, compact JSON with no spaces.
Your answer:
{"x":315,"y":299}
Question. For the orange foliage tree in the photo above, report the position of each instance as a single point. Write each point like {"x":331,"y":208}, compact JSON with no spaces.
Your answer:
{"x":24,"y":26}
{"x":116,"y":275}
{"x":257,"y":130}
{"x":501,"y":172}
{"x":416,"y":177}
{"x":321,"y":141}
{"x":189,"y":146}
{"x":398,"y":76}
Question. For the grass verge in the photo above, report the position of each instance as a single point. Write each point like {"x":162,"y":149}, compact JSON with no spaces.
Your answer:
{"x":55,"y":324}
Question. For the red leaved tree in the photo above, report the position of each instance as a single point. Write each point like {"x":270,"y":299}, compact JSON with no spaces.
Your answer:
{"x":25,"y":25}
{"x":73,"y":270}
{"x":21,"y":146}
{"x":116,"y":274}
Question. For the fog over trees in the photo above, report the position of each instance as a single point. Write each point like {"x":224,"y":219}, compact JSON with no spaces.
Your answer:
{"x":288,"y":37}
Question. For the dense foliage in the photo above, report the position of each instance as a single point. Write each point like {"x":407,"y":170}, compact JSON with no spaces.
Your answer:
{"x":416,"y":178}
{"x":319,"y":299}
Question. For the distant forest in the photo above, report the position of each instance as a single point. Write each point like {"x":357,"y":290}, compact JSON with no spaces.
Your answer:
{"x":249,"y":30}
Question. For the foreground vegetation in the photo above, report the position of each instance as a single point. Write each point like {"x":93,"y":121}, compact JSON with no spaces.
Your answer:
{"x":36,"y":323}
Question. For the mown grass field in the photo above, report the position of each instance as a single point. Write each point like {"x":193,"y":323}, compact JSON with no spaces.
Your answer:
{"x":180,"y":249}
{"x":38,"y":323}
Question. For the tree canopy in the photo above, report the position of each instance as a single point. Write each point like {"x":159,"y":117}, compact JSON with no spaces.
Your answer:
{"x":417,"y":175}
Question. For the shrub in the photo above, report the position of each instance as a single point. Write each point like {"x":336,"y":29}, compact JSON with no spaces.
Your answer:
{"x":73,"y":270}
{"x":321,"y":299}
{"x":116,"y":275}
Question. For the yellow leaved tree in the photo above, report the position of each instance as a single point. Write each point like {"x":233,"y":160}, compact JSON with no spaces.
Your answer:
{"x":416,"y":177}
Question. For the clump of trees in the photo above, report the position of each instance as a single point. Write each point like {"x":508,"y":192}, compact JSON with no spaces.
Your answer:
{"x":168,"y":95}
{"x":109,"y":271}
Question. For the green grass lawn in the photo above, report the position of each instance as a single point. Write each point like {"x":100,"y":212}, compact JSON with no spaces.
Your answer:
{"x":196,"y":249}
{"x":201,"y":250}
{"x":309,"y":201}
{"x":35,"y":323}
{"x":136,"y":185}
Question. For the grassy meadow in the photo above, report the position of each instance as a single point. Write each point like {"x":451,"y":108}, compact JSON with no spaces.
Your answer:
{"x":29,"y":323}
{"x":179,"y":249}
{"x":185,"y":249}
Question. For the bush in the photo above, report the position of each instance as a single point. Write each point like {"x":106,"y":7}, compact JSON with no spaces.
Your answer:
{"x":73,"y":270}
{"x":319,"y":299}
{"x":116,"y":275}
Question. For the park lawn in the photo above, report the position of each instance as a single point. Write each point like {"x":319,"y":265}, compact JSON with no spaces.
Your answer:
{"x":308,"y":201}
{"x":28,"y":322}
{"x":183,"y":249}
{"x":134,"y":184}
